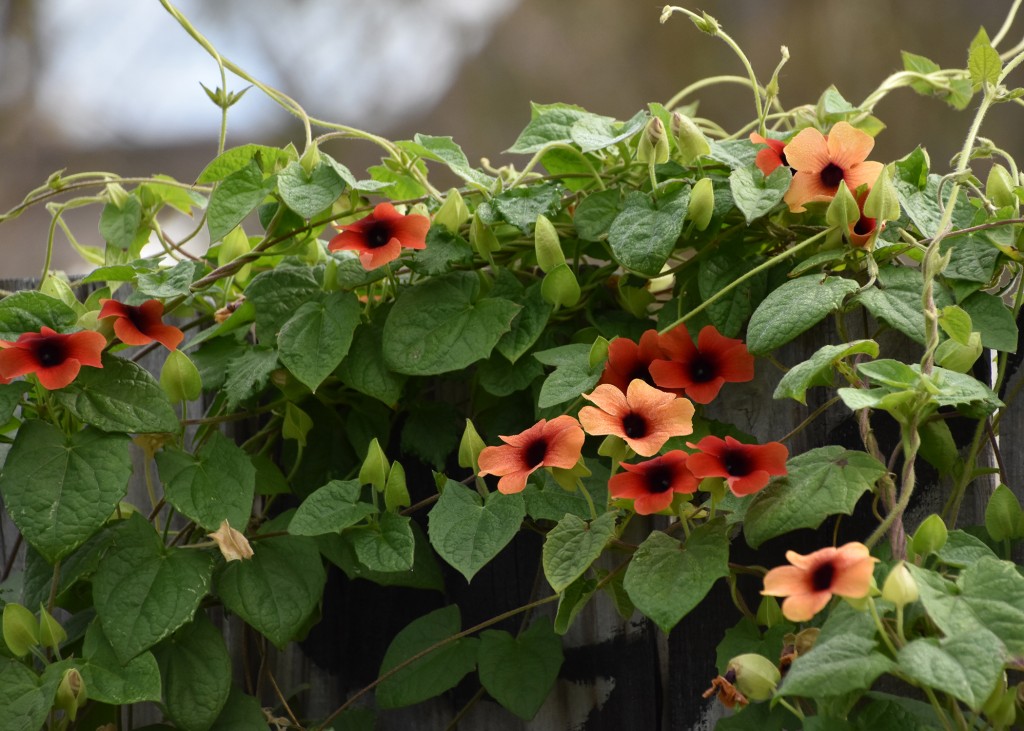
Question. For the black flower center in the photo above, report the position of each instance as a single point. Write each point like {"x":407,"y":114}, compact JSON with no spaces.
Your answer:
{"x":49,"y":352}
{"x":643,"y":372}
{"x":535,"y":452}
{"x":831,"y":175}
{"x":864,"y":225}
{"x":659,"y":479}
{"x":634,"y":425}
{"x":136,"y":318}
{"x":821,"y":576}
{"x":378,"y":234}
{"x":703,"y":369}
{"x":736,"y":463}
{"x":783,"y":160}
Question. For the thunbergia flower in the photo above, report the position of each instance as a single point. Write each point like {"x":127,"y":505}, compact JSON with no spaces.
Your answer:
{"x":863,"y":232}
{"x":771,"y":157}
{"x":644,"y":416}
{"x":821,"y":163}
{"x":745,"y":467}
{"x":55,"y":358}
{"x":628,"y":360}
{"x":141,"y":324}
{"x":811,"y":580}
{"x":555,"y":443}
{"x":701,"y":369}
{"x":380,"y":237}
{"x":652,"y":484}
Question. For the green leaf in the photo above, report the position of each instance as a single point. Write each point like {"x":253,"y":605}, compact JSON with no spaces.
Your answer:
{"x":519,"y":672}
{"x":108,"y":680}
{"x":754,"y":194}
{"x":1002,"y":514}
{"x":444,"y":251}
{"x":248,"y":373}
{"x":330,"y":509}
{"x":922,"y":203}
{"x":467,"y":531}
{"x":217,"y":483}
{"x":501,"y":378}
{"x":385,"y":546}
{"x":242,"y":712}
{"x":445,"y":150}
{"x":920,"y":65}
{"x":838,"y":665}
{"x":548,"y":123}
{"x":734,"y":153}
{"x":983,"y":61}
{"x":521,"y":206}
{"x":432,"y":674}
{"x":527,"y":325}
{"x":730,"y":313}
{"x":363,"y":368}
{"x":10,"y":398}
{"x":276,"y":294}
{"x":667,"y":579}
{"x":238,"y":158}
{"x":309,"y":194}
{"x":573,"y":545}
{"x":821,"y":482}
{"x":235,"y":198}
{"x":24,"y":702}
{"x":278,"y":589}
{"x":443,"y":325}
{"x":120,"y":224}
{"x":143,"y":591}
{"x":993,"y":319}
{"x":120,"y":397}
{"x":793,"y":308}
{"x":431,"y":432}
{"x":572,"y":375}
{"x":571,"y":602}
{"x":25,"y":312}
{"x":746,"y":637}
{"x":882,"y":712}
{"x":819,"y":369}
{"x":313,"y":341}
{"x":59,"y":490}
{"x":196,"y":672}
{"x":424,"y":574}
{"x":645,"y":232}
{"x":594,"y":132}
{"x":973,"y":258}
{"x":962,"y":549}
{"x":896,"y":299}
{"x":168,"y":282}
{"x":965,"y":666}
{"x":595,"y":214}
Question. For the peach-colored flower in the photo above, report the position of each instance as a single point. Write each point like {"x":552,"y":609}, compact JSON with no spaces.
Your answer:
{"x":644,"y":416}
{"x":809,"y":583}
{"x":555,"y":443}
{"x":821,"y":163}
{"x":864,"y":230}
{"x":771,"y":157}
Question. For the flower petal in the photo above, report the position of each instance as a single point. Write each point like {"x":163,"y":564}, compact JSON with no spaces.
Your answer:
{"x":808,"y":152}
{"x":802,"y":607}
{"x":86,"y":347}
{"x":784,"y":581}
{"x":59,"y":376}
{"x":848,"y":146}
{"x":608,"y":399}
{"x":806,"y":188}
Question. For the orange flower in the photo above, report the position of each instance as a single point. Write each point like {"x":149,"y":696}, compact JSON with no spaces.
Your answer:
{"x":628,"y":360}
{"x":380,"y":237}
{"x":809,"y":583}
{"x":56,"y":359}
{"x":555,"y":443}
{"x":865,"y":230}
{"x":643,"y":416}
{"x":745,"y":467}
{"x":141,"y":325}
{"x":701,"y":369}
{"x":652,"y":484}
{"x":770,"y":157}
{"x":822,"y":162}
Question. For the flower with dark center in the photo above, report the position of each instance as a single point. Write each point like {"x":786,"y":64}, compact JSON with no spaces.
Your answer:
{"x":771,"y":157}
{"x":628,"y":360}
{"x":652,"y":484}
{"x":700,"y":370}
{"x":54,"y":358}
{"x":142,"y":324}
{"x":380,"y":237}
{"x":821,"y":163}
{"x":864,"y":231}
{"x":811,"y":580}
{"x":555,"y":443}
{"x":644,"y":416}
{"x":745,"y":467}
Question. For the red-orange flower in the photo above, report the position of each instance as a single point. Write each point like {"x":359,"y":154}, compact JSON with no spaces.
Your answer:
{"x":380,"y":237}
{"x":863,"y":232}
{"x":811,"y":580}
{"x":771,"y":157}
{"x":821,"y":163}
{"x":555,"y":443}
{"x":643,"y":416}
{"x":628,"y":360}
{"x":701,"y":369}
{"x":53,"y":357}
{"x":142,"y":324}
{"x":745,"y":467}
{"x":651,"y":484}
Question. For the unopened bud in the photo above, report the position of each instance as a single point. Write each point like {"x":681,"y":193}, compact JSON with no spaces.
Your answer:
{"x":51,"y":634}
{"x":419,"y":209}
{"x":560,"y":287}
{"x":567,"y":479}
{"x":690,"y":141}
{"x":375,"y":467}
{"x":117,"y":195}
{"x":310,"y":158}
{"x":179,"y":377}
{"x":71,"y":693}
{"x":769,"y":613}
{"x":232,"y":543}
{"x":396,"y":492}
{"x":702,"y":204}
{"x":470,"y":447}
{"x":653,"y":148}
{"x":842,"y":209}
{"x":482,"y":238}
{"x":21,"y":630}
{"x":614,"y":447}
{"x":707,"y":24}
{"x":930,"y":536}
{"x":756,"y":676}
{"x":663,"y":282}
{"x":900,"y":587}
{"x":598,"y":352}
{"x":959,"y":357}
{"x":999,"y":187}
{"x":547,"y":244}
{"x":453,"y":212}
{"x":882,"y":202}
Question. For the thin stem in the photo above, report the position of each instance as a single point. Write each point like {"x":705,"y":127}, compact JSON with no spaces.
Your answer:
{"x":998,"y":37}
{"x":881,"y":627}
{"x":703,"y":84}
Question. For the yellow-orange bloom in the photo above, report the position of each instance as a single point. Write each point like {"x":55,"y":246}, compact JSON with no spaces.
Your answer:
{"x":809,"y":583}
{"x":644,"y":416}
{"x":821,"y":163}
{"x":555,"y":443}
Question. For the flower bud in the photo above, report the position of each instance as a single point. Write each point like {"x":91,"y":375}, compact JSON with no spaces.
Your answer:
{"x":374,"y":470}
{"x":51,"y":634}
{"x":999,"y":187}
{"x":690,"y":141}
{"x":71,"y":693}
{"x":662,"y":283}
{"x":396,"y":492}
{"x":756,"y":676}
{"x":310,"y":158}
{"x":179,"y":377}
{"x":560,"y":287}
{"x":769,"y":613}
{"x":614,"y":447}
{"x":702,"y":204}
{"x":470,"y":447}
{"x":653,"y":147}
{"x":598,"y":351}
{"x":959,"y":357}
{"x":547,"y":244}
{"x":882,"y":202}
{"x":930,"y":536}
{"x":419,"y":209}
{"x":707,"y":24}
{"x":482,"y":238}
{"x":453,"y":212}
{"x":21,"y":630}
{"x":567,"y":478}
{"x":233,"y":544}
{"x":900,"y":587}
{"x":842,"y":209}
{"x":57,"y":286}
{"x":117,"y":195}
{"x":235,"y":244}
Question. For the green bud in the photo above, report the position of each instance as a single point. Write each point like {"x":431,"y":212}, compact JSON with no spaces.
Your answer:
{"x":756,"y":676}
{"x":375,"y":467}
{"x":21,"y":630}
{"x":663,"y":282}
{"x":567,"y":478}
{"x":690,"y":141}
{"x":453,"y":212}
{"x":882,"y":202}
{"x":547,"y":244}
{"x":1000,"y":706}
{"x":653,"y":147}
{"x":956,"y":323}
{"x":419,"y":209}
{"x":634,"y":300}
{"x":235,"y":244}
{"x":598,"y":352}
{"x":900,"y":587}
{"x":482,"y":238}
{"x":560,"y":287}
{"x":930,"y":536}
{"x":958,"y":357}
{"x":470,"y":447}
{"x":310,"y":158}
{"x":769,"y":613}
{"x":71,"y":693}
{"x":57,"y":286}
{"x":614,"y":447}
{"x":707,"y":24}
{"x":842,"y":210}
{"x":396,"y":492}
{"x":999,"y":187}
{"x":296,"y":424}
{"x":702,"y":204}
{"x":179,"y":377}
{"x":117,"y":194}
{"x":51,"y":634}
